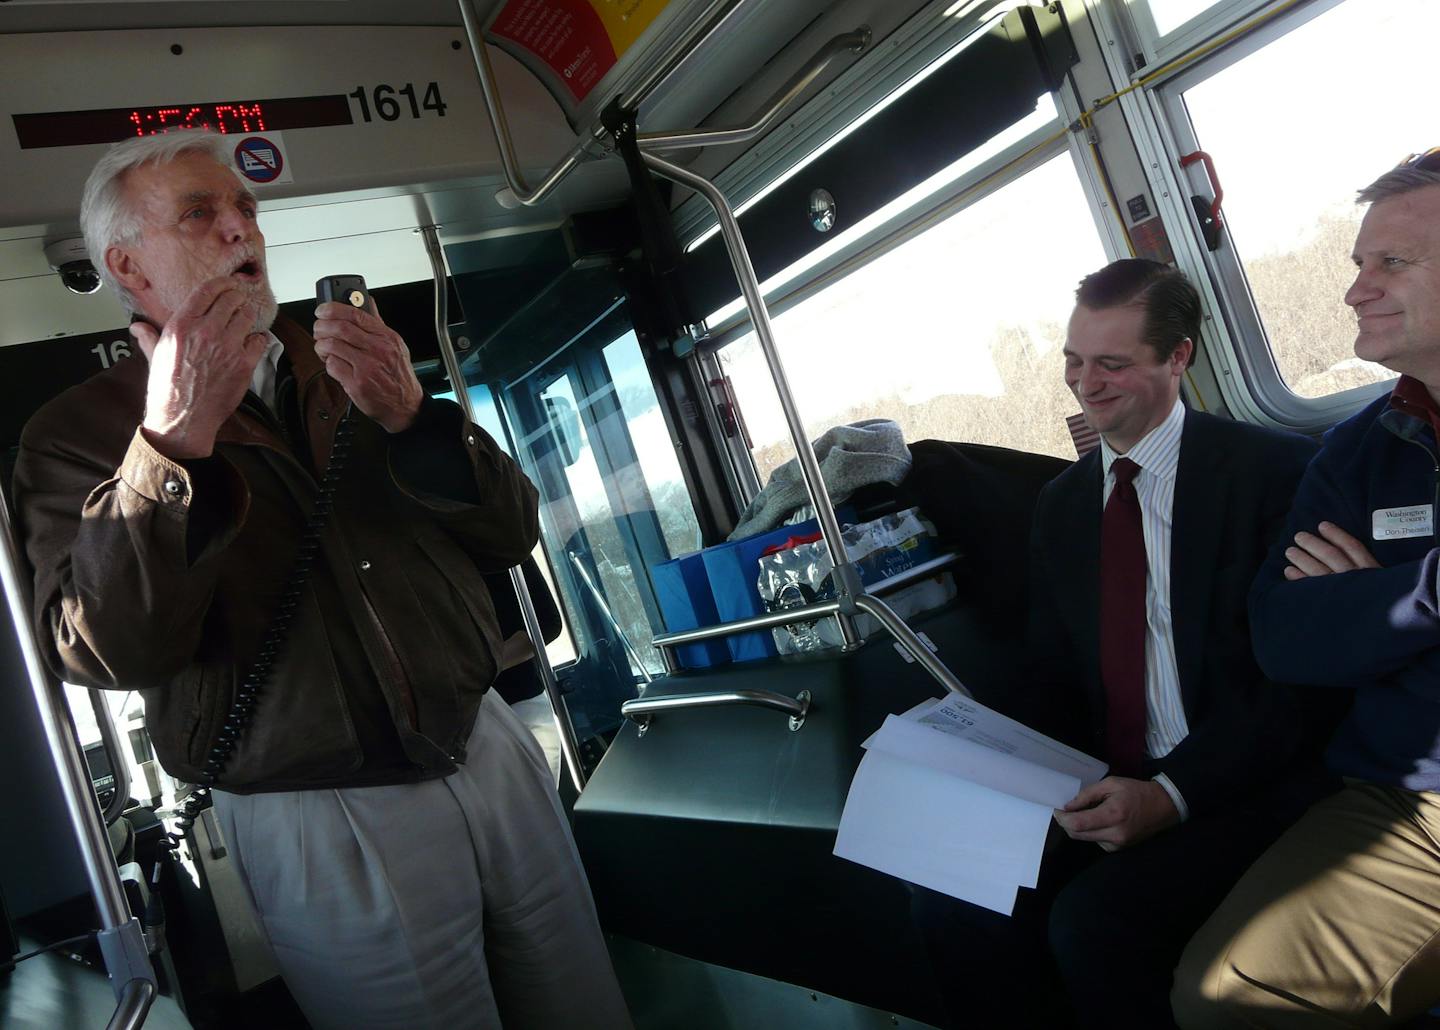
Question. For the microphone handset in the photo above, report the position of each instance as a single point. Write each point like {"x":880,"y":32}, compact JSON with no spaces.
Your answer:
{"x":346,"y":289}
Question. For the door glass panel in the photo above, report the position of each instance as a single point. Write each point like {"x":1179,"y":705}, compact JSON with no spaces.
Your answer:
{"x":1295,"y":129}
{"x":656,"y":462}
{"x":955,"y":334}
{"x":626,"y":496}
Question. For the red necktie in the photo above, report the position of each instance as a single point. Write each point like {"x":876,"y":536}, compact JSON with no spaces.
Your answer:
{"x":1122,"y":622}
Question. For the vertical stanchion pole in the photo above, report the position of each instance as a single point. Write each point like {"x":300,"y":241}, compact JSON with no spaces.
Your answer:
{"x":122,"y":944}
{"x":569,"y":745}
{"x":847,"y":579}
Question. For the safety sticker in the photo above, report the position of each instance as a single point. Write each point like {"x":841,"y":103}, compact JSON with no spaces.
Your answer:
{"x":261,"y":159}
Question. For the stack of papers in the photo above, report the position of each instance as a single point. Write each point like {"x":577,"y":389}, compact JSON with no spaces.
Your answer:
{"x":957,"y":797}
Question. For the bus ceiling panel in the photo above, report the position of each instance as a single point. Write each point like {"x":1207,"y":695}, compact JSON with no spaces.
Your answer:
{"x":995,"y":81}
{"x":375,"y":108}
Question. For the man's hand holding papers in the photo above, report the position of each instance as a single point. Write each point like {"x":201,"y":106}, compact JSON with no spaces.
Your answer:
{"x":1118,"y":812}
{"x":958,"y":798}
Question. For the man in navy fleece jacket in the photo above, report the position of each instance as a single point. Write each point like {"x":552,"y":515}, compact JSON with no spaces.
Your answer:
{"x":1338,"y":924}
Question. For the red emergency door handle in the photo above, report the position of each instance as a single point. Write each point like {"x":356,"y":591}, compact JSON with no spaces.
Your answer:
{"x":1211,"y":225}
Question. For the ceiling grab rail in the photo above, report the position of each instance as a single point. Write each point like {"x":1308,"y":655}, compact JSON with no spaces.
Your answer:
{"x":587,"y":147}
{"x":853,"y":42}
{"x":122,"y":944}
{"x":565,"y":727}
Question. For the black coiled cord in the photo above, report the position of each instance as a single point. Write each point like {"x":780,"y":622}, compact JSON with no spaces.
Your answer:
{"x":242,"y":708}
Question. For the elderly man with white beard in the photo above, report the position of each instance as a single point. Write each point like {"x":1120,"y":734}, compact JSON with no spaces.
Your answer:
{"x":395,"y":824}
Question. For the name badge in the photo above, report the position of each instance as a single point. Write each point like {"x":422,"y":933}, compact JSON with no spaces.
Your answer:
{"x":1399,"y":523}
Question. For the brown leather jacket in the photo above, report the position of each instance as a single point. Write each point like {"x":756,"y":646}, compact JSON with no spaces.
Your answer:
{"x":162,"y":577}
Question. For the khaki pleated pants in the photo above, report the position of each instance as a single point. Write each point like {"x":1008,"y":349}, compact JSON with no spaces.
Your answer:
{"x":1337,"y":925}
{"x":454,"y":903}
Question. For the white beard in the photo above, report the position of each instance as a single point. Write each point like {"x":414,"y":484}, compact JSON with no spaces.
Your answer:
{"x":173,"y":295}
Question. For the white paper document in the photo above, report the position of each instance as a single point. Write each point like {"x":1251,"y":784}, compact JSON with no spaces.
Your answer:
{"x":957,"y":797}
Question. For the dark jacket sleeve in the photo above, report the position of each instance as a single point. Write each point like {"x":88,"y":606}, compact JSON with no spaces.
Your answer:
{"x":1047,"y":692}
{"x":1349,"y":628}
{"x":125,"y":558}
{"x":1251,"y":728}
{"x":453,"y":468}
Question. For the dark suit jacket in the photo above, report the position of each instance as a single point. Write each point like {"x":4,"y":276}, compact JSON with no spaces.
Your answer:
{"x":1233,"y":488}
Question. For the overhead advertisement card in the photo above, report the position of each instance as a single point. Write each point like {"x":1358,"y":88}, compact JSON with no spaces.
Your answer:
{"x":570,"y":45}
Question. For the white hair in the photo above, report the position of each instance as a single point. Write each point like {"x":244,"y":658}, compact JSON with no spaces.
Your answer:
{"x":106,"y":216}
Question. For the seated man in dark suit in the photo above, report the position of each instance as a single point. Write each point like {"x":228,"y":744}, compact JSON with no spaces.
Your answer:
{"x":1141,"y":556}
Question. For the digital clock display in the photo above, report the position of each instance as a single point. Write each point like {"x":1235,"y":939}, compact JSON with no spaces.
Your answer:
{"x":77,"y":128}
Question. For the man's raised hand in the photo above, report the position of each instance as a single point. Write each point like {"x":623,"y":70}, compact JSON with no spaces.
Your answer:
{"x":201,"y":364}
{"x":370,"y":362}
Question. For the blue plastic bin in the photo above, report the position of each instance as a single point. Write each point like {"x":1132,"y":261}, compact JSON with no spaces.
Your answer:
{"x":683,"y":591}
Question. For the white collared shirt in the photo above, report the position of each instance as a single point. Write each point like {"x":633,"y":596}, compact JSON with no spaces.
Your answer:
{"x":1158,"y":455}
{"x":262,"y":383}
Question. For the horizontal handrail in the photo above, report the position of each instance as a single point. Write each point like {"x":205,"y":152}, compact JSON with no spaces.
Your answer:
{"x":806,"y":613}
{"x":134,"y":1006}
{"x":642,"y":710}
{"x":852,"y":42}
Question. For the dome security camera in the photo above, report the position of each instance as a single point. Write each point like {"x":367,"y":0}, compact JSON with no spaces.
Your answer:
{"x":70,"y":258}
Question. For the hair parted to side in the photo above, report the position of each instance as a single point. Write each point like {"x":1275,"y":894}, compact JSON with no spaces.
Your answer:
{"x":1405,"y":179}
{"x":1170,"y":303}
{"x":106,"y":218}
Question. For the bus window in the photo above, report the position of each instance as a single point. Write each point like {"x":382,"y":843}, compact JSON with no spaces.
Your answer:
{"x":1169,"y":15}
{"x":955,"y":333}
{"x":1295,"y":128}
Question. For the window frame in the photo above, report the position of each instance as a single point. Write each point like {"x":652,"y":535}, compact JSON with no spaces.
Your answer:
{"x":1249,"y":380}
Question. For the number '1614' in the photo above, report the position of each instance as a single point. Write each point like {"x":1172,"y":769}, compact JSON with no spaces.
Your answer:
{"x":383,"y":101}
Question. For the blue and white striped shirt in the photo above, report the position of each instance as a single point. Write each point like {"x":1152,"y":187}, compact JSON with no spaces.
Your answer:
{"x":1158,"y":455}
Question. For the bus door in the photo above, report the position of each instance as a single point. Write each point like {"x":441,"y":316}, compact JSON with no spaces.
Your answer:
{"x":581,"y":414}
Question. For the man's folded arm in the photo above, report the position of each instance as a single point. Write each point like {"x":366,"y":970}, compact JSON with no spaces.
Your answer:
{"x":1347,"y":627}
{"x":454,"y":469}
{"x":125,"y":559}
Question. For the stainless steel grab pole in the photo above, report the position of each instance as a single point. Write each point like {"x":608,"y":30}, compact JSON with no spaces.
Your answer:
{"x":850,"y":42}
{"x":599,"y":600}
{"x":119,"y":767}
{"x":524,"y":195}
{"x":135,"y":1002}
{"x":121,"y":942}
{"x":569,"y":745}
{"x":846,"y":583}
{"x":907,"y":638}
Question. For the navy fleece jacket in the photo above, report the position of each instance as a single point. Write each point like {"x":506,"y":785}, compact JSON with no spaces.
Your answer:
{"x":1373,"y":631}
